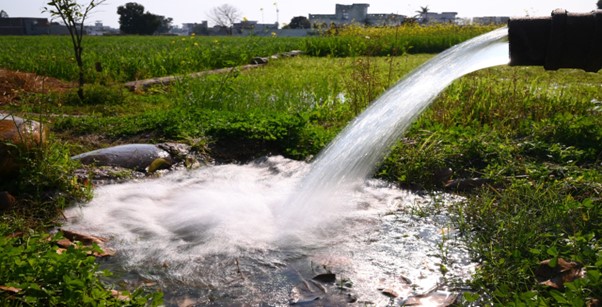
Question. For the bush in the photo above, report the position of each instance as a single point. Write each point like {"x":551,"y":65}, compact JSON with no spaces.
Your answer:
{"x":35,"y":273}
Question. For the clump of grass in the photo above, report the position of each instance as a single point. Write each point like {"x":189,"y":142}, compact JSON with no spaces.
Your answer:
{"x":535,"y":137}
{"x":35,"y":272}
{"x":513,"y":230}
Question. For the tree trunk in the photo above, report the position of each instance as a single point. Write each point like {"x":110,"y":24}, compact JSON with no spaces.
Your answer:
{"x":80,"y":65}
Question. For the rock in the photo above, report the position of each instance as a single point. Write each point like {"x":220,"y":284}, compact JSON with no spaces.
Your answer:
{"x":292,"y":53}
{"x":7,"y":201}
{"x":21,"y":131}
{"x":305,"y":293}
{"x":106,"y":175}
{"x":259,"y":60}
{"x":132,"y":156}
{"x":17,"y":134}
{"x":177,"y":151}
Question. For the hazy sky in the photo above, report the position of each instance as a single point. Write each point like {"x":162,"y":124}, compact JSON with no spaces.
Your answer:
{"x":265,"y":10}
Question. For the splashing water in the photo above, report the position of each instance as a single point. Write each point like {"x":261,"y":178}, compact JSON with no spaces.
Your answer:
{"x":253,"y":233}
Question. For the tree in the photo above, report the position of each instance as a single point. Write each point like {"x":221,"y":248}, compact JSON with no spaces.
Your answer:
{"x":164,"y":24}
{"x":133,"y":20}
{"x":225,"y":16}
{"x":300,"y":22}
{"x":423,"y":13}
{"x":599,"y":4}
{"x":3,"y":14}
{"x":130,"y":17}
{"x":73,"y":16}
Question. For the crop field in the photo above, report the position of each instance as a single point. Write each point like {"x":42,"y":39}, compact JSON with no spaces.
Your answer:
{"x":521,"y":144}
{"x":133,"y":58}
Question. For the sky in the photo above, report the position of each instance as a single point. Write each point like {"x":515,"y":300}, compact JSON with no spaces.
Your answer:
{"x":270,"y":11}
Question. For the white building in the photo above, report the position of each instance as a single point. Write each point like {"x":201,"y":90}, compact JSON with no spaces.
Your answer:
{"x":356,"y":13}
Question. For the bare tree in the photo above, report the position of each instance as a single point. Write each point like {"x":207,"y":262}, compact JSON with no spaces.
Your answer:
{"x":599,"y":4}
{"x":225,"y":16}
{"x":74,"y":15}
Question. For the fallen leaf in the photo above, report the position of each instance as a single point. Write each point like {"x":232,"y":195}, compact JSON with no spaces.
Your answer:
{"x":10,"y":289}
{"x":120,"y":295}
{"x":556,"y":276}
{"x":82,"y":237}
{"x":64,"y":243}
{"x":389,"y":293}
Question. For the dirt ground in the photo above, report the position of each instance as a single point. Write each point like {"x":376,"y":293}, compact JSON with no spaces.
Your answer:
{"x":14,"y":85}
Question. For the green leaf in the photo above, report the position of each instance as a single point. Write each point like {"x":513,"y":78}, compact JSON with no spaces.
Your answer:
{"x":470,"y":297}
{"x":559,"y":297}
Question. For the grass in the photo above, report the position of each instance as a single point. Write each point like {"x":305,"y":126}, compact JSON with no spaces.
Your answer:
{"x":535,"y":136}
{"x":532,"y":136}
{"x":127,"y":58}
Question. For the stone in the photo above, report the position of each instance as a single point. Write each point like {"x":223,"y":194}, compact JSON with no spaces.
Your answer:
{"x":17,"y":134}
{"x":131,"y":156}
{"x":7,"y":201}
{"x":21,"y":131}
{"x":259,"y":60}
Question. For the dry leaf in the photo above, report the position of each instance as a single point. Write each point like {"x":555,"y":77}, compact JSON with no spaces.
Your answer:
{"x":120,"y":295}
{"x":10,"y":289}
{"x":556,"y":276}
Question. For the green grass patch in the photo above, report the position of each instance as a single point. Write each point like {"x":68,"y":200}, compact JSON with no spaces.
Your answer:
{"x":534,"y":136}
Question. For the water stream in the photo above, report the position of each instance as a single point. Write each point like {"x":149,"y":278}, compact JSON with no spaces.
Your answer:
{"x":258,"y":233}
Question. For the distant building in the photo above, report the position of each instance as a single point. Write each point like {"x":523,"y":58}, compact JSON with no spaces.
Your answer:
{"x":445,"y":17}
{"x":248,"y":27}
{"x":354,"y":14}
{"x":30,"y":26}
{"x":99,"y":29}
{"x":491,"y":20}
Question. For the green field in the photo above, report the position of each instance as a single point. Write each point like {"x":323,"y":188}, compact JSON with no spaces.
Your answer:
{"x":131,"y":58}
{"x":533,"y":137}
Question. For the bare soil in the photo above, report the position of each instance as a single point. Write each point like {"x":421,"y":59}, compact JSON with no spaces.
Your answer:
{"x":14,"y":85}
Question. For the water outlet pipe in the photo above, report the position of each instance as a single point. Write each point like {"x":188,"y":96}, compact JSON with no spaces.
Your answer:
{"x":564,"y":40}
